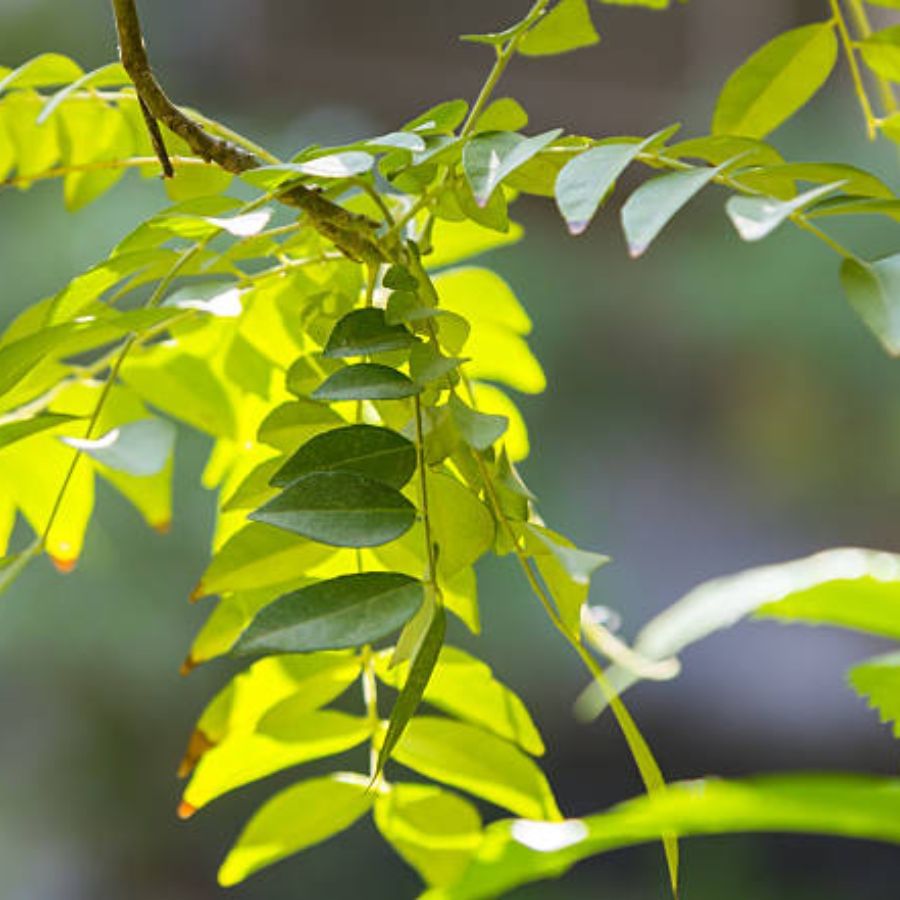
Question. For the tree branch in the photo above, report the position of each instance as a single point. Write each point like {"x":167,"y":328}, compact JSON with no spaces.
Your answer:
{"x":352,"y":234}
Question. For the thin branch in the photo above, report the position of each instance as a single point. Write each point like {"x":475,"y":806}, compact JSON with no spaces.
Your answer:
{"x":353,"y":234}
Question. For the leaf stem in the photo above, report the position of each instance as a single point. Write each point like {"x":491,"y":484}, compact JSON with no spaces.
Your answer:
{"x":504,"y":55}
{"x":370,"y":697}
{"x":858,"y":84}
{"x":646,"y":763}
{"x":131,"y":162}
{"x":864,"y":30}
{"x":431,"y":574}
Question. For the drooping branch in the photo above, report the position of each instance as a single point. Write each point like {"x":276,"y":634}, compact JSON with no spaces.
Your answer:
{"x":353,"y":234}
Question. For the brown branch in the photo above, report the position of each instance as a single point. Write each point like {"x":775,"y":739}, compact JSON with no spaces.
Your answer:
{"x":352,"y":234}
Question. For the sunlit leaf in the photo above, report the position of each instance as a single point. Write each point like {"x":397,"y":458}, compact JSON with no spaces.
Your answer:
{"x":776,"y":81}
{"x":515,"y":853}
{"x":434,"y":830}
{"x":297,"y":818}
{"x":277,"y":742}
{"x":476,"y":761}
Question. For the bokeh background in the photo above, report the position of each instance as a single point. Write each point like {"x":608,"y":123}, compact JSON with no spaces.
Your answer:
{"x":711,"y":407}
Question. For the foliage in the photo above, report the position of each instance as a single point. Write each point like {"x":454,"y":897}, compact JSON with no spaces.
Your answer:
{"x":321,"y":319}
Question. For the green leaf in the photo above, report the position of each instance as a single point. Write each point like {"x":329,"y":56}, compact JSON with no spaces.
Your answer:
{"x":184,"y":387}
{"x":881,"y":52}
{"x":363,"y":332}
{"x":366,"y":381}
{"x":296,"y":422}
{"x":343,"y":509}
{"x":878,"y":680}
{"x":347,"y":611}
{"x":873,"y":290}
{"x":444,"y":118}
{"x":757,"y":217}
{"x":776,"y":81}
{"x":565,"y":569}
{"x":489,"y":158}
{"x":465,"y":687}
{"x":456,"y":241}
{"x":435,"y":831}
{"x":18,"y":358}
{"x":855,"y":181}
{"x":307,"y":681}
{"x":259,"y":556}
{"x":568,"y":26}
{"x":718,"y":148}
{"x":420,"y":671}
{"x":848,"y":587}
{"x":139,"y":448}
{"x":650,"y":208}
{"x":476,"y":761}
{"x":504,"y":114}
{"x":378,"y":453}
{"x":43,"y":71}
{"x":18,"y":431}
{"x":110,"y":75}
{"x":296,"y":818}
{"x":427,"y":365}
{"x":496,"y":349}
{"x":516,"y":853}
{"x":478,"y":430}
{"x":586,"y":180}
{"x":648,"y":4}
{"x":278,"y":742}
{"x":399,"y":278}
{"x":461,"y":524}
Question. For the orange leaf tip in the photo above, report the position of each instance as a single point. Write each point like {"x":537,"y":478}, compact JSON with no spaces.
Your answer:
{"x":188,"y":665}
{"x":185,"y":810}
{"x":64,"y":566}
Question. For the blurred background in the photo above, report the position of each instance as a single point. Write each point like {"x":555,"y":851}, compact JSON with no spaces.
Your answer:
{"x":711,"y":407}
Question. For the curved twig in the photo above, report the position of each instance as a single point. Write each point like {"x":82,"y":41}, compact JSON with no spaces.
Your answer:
{"x":353,"y":234}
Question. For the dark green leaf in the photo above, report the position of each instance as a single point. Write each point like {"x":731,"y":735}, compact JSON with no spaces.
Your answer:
{"x":347,"y":611}
{"x":420,"y":671}
{"x":366,"y":381}
{"x":399,"y":278}
{"x":343,"y":509}
{"x":378,"y":453}
{"x":363,"y":332}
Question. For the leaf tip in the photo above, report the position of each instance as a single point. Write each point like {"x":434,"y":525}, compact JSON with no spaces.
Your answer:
{"x":164,"y":526}
{"x":198,"y":593}
{"x":188,"y":665}
{"x":185,"y":810}
{"x":62,"y":565}
{"x":577,"y":228}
